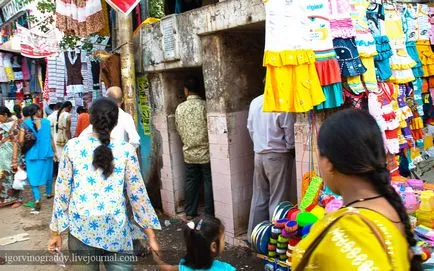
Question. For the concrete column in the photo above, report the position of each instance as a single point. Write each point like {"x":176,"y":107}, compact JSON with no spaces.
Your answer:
{"x":233,"y":73}
{"x":128,"y":73}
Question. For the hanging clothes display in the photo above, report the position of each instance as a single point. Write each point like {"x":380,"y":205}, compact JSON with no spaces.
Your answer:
{"x":322,"y":44}
{"x":111,"y":72}
{"x":292,"y":83}
{"x":74,"y":79}
{"x":80,"y":18}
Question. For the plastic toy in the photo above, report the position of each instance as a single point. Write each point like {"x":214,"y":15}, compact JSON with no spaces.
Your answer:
{"x":312,"y":193}
{"x":291,"y":226}
{"x":292,"y":214}
{"x":426,"y":254}
{"x":305,"y":218}
{"x":305,"y":231}
{"x":318,"y":211}
{"x":334,"y":205}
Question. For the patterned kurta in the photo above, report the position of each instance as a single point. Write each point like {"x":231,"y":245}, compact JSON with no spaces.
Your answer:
{"x":192,"y":127}
{"x":7,"y":194}
{"x":93,"y":207}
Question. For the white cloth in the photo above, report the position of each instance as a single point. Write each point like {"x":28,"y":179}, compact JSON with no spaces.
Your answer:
{"x":53,"y":121}
{"x":270,"y":132}
{"x":284,"y":19}
{"x":124,"y":131}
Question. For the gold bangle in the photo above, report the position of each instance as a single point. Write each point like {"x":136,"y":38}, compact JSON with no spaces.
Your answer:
{"x":55,"y":233}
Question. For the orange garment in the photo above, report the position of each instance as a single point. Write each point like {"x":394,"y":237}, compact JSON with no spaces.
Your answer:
{"x":82,"y":122}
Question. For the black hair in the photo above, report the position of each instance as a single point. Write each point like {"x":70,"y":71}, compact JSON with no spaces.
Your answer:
{"x":63,"y":107}
{"x":17,"y":111}
{"x":26,"y":111}
{"x":5,"y":111}
{"x":192,"y":84}
{"x":206,"y":230}
{"x":81,"y":109}
{"x":104,"y":117}
{"x":52,"y":106}
{"x":32,"y":111}
{"x":352,"y":141}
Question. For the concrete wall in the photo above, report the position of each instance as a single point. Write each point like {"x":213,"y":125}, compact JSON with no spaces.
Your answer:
{"x":233,"y":77}
{"x":191,"y":25}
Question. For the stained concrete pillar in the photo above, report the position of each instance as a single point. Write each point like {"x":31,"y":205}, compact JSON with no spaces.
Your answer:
{"x":233,"y":74}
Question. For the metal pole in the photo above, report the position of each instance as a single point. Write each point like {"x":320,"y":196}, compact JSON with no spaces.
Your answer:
{"x":128,"y":74}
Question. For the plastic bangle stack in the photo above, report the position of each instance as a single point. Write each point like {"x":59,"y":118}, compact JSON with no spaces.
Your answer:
{"x":272,"y":254}
{"x":282,"y":239}
{"x":273,"y":241}
{"x":281,"y":223}
{"x":275,"y":232}
{"x":283,"y":257}
{"x":271,"y":247}
{"x":291,"y":226}
{"x":280,"y":251}
{"x":288,"y":254}
{"x":281,"y":245}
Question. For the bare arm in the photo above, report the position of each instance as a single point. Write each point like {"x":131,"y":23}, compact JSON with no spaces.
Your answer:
{"x":68,"y":128}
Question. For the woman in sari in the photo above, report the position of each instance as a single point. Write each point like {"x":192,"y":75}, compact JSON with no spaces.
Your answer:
{"x":372,"y":231}
{"x":9,"y":158}
{"x":39,"y":158}
{"x":63,"y":127}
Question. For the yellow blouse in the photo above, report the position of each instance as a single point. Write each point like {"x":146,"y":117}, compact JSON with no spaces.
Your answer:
{"x":351,"y":245}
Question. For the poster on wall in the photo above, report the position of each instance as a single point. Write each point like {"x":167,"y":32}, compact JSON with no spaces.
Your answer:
{"x":145,"y":109}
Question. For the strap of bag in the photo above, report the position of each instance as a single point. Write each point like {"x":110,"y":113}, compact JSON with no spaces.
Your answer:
{"x":306,"y":256}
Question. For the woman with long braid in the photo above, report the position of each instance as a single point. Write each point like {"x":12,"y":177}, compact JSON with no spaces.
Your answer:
{"x":372,"y":231}
{"x":90,"y":201}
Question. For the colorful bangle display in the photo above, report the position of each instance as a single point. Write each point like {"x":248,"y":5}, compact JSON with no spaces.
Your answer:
{"x":280,"y":223}
{"x":282,"y":245}
{"x":271,"y":247}
{"x":288,"y":234}
{"x":276,"y":230}
{"x":283,"y":257}
{"x":291,"y":226}
{"x":275,"y":235}
{"x":280,"y":251}
{"x":288,"y":254}
{"x":282,"y":239}
{"x":272,"y":254}
{"x":273,"y":241}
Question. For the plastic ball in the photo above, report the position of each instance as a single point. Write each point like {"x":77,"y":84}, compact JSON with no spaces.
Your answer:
{"x":306,"y":218}
{"x":426,"y":254}
{"x":318,"y":211}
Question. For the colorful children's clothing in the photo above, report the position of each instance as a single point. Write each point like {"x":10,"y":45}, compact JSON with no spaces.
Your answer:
{"x":7,"y":63}
{"x":348,"y":57}
{"x":341,"y":22}
{"x":326,"y":62}
{"x":292,"y":83}
{"x":426,"y":56}
{"x":401,"y":63}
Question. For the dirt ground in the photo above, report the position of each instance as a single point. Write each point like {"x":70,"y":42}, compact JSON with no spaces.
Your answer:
{"x":17,"y":221}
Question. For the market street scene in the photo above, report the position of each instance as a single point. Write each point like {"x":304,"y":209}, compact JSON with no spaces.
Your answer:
{"x":221,"y":135}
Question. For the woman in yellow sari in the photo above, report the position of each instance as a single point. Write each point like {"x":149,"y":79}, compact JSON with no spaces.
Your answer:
{"x":372,"y":231}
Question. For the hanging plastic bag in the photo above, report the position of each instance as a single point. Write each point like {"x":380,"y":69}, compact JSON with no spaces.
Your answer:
{"x":20,"y":179}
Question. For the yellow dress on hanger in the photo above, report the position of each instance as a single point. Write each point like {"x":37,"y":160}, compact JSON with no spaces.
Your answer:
{"x":351,"y":245}
{"x":292,"y":83}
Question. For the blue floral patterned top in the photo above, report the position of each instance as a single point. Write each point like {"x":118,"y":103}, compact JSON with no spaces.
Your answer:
{"x":93,"y":207}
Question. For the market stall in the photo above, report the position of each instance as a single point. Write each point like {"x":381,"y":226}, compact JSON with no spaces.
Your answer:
{"x":371,"y":55}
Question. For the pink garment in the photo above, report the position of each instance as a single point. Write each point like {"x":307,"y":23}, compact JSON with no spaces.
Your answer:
{"x":341,"y":22}
{"x":25,"y":69}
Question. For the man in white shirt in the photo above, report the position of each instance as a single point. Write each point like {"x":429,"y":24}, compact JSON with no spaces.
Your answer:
{"x":53,"y":117}
{"x":125,"y":129}
{"x":274,"y":178}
